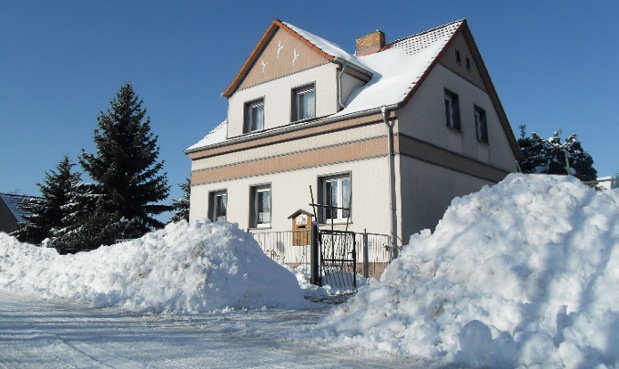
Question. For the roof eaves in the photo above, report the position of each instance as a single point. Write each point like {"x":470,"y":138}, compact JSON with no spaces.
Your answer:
{"x":307,"y":42}
{"x":236,"y":81}
{"x":276,"y":24}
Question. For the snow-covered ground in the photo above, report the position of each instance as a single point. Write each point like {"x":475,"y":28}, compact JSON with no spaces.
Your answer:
{"x":38,"y":334}
{"x":521,"y":274}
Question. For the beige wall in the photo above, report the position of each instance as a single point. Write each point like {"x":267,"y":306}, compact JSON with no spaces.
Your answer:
{"x":427,"y":191}
{"x":283,"y":54}
{"x":277,"y":96}
{"x":290,"y":192}
{"x":424,"y":118}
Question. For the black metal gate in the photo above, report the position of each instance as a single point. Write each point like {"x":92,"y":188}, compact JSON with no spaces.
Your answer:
{"x":338,"y":259}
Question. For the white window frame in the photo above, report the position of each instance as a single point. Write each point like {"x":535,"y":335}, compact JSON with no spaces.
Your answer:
{"x":341,"y":182}
{"x":300,"y":98}
{"x":261,"y":219}
{"x":215,"y":210}
{"x":481,"y":124}
{"x":452,"y":110}
{"x":251,"y":123}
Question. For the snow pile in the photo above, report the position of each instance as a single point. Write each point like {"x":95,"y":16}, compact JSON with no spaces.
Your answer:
{"x":521,"y":274}
{"x":185,"y":267}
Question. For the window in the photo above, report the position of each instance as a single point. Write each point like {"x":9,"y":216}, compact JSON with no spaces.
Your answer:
{"x":336,"y":197}
{"x":468,"y":63}
{"x":260,"y":211}
{"x":303,"y":103}
{"x":458,"y":59}
{"x":254,"y":116}
{"x":218,"y":205}
{"x":481,"y":127}
{"x":452,"y":110}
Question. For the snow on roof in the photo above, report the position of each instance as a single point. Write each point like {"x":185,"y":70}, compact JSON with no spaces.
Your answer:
{"x":217,"y":135}
{"x":399,"y":68}
{"x":327,"y":46}
{"x":14,"y":203}
{"x":396,"y":70}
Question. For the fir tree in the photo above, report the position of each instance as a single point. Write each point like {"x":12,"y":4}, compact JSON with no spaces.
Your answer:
{"x":180,"y":206}
{"x":552,"y":156}
{"x":87,"y":225}
{"x":126,"y":170}
{"x":47,"y":213}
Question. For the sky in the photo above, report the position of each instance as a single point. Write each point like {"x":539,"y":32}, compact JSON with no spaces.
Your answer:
{"x":553,"y":64}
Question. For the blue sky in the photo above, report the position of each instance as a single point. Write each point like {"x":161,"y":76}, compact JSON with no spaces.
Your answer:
{"x":553,"y":63}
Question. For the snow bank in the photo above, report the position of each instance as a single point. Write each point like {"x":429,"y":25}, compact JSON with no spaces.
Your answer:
{"x":185,"y":267}
{"x":521,"y":274}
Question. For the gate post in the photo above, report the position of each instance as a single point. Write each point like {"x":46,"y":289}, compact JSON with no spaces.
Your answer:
{"x":314,"y":254}
{"x":366,"y":262}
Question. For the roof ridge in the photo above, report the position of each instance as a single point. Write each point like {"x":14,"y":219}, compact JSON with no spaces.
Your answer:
{"x":392,"y":43}
{"x":16,"y":195}
{"x":332,"y":49}
{"x":296,"y":29}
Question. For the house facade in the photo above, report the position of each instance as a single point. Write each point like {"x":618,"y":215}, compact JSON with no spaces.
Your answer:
{"x":382,"y":139}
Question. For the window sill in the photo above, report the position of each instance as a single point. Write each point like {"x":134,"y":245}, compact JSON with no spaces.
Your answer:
{"x":260,"y":227}
{"x":302,"y":120}
{"x":336,"y":222}
{"x":483,"y":142}
{"x":453,"y":129}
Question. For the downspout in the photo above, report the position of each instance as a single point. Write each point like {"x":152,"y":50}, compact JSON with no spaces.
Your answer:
{"x":339,"y":84}
{"x":392,"y":200}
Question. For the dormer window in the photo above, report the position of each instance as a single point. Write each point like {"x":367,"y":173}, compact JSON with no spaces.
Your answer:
{"x":303,"y":103}
{"x":254,"y":116}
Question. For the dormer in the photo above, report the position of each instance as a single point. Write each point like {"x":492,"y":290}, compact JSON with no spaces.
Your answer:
{"x":291,"y":76}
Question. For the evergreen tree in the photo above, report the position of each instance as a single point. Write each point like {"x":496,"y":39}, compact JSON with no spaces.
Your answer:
{"x":552,"y":156}
{"x":47,"y":213}
{"x":87,"y":225}
{"x":126,"y":171}
{"x":180,"y":206}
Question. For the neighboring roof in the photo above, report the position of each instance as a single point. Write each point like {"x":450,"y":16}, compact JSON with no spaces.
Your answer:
{"x":14,"y":203}
{"x":324,"y":48}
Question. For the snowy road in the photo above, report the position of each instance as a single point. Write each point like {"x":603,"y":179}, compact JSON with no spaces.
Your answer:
{"x":37,"y":334}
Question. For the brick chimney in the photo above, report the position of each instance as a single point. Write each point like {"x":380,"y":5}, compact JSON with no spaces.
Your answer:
{"x":370,"y":43}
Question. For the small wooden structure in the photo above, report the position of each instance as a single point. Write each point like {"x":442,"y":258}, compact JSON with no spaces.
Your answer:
{"x":301,"y":221}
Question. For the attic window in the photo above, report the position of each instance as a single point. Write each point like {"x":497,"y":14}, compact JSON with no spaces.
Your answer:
{"x":303,"y":103}
{"x":458,"y":58}
{"x":468,"y":63}
{"x":254,"y":116}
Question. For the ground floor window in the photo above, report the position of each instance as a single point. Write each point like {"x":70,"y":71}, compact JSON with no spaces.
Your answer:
{"x":218,"y":205}
{"x":260,"y":211}
{"x":335,"y":196}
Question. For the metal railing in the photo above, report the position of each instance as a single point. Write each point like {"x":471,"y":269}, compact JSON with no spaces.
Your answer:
{"x":293,"y":248}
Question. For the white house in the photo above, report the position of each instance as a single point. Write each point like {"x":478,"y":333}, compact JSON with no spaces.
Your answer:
{"x":387,"y":136}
